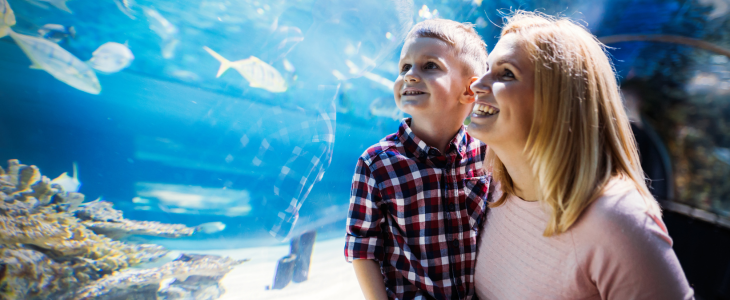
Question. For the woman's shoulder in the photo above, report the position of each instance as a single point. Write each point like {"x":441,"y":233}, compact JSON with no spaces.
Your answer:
{"x":621,"y":213}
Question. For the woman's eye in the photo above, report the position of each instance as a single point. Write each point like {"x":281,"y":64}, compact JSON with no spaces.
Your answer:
{"x":405,"y":68}
{"x":508,"y":74}
{"x":430,"y":65}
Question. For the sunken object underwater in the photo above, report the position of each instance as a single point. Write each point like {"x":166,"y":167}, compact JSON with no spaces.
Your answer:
{"x":54,"y":246}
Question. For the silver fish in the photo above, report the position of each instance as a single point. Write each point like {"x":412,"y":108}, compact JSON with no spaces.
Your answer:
{"x":60,"y":4}
{"x":210,"y":227}
{"x":159,"y":24}
{"x":7,"y":18}
{"x":69,"y":184}
{"x":56,"y":32}
{"x":111,"y":57}
{"x":258,"y":73}
{"x":125,"y":6}
{"x":58,"y":62}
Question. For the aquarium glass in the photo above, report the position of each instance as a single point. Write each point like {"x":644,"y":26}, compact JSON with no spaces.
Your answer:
{"x":161,"y":149}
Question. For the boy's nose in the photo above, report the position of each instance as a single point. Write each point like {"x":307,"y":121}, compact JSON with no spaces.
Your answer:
{"x":410,"y":77}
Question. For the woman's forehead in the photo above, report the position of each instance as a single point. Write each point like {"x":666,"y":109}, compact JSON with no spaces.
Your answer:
{"x":510,"y":48}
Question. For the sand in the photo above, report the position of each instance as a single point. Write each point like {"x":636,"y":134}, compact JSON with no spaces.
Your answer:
{"x":330,"y":276}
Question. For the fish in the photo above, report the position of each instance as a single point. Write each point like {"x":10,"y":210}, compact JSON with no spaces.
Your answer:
{"x":69,"y":184}
{"x":210,"y":227}
{"x":168,"y":49}
{"x":58,"y":62}
{"x":288,"y":66}
{"x":60,"y":4}
{"x":385,"y":107}
{"x":161,"y":26}
{"x":7,"y":18}
{"x":56,"y":32}
{"x":258,"y":73}
{"x":111,"y":57}
{"x":125,"y":7}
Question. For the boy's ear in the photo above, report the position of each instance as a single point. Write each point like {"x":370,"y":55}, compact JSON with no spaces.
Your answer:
{"x":468,"y":96}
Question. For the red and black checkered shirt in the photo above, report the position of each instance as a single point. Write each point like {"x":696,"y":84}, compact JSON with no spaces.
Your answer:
{"x":416,"y":211}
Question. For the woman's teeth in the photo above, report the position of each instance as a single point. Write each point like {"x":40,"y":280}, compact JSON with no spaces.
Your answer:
{"x":481,"y":109}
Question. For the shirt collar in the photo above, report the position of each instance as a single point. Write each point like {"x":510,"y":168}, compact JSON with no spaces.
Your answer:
{"x":418,"y":147}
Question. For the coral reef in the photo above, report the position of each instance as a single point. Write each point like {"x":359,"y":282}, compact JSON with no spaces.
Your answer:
{"x":188,"y":277}
{"x":52,"y":244}
{"x":101,"y":218}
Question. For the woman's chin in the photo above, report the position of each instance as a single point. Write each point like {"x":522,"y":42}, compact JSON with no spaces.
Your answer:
{"x":480,"y":130}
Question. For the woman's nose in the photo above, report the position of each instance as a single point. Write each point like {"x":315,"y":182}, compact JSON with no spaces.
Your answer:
{"x":481,"y":86}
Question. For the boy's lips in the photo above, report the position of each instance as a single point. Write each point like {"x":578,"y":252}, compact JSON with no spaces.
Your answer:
{"x":412,"y":92}
{"x":484,"y":109}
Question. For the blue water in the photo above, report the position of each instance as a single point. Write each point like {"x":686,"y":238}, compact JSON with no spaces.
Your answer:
{"x":167,"y":141}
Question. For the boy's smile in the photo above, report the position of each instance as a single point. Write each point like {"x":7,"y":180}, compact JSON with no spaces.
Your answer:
{"x":431,"y":79}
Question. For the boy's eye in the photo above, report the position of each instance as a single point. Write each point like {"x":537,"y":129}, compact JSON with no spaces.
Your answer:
{"x":405,"y":68}
{"x":430,"y":65}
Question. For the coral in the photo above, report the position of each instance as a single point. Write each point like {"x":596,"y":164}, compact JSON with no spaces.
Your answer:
{"x":51,"y":244}
{"x":101,"y":218}
{"x":144,"y":284}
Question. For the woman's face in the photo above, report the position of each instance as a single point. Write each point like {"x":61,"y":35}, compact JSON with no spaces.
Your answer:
{"x":505,"y":97}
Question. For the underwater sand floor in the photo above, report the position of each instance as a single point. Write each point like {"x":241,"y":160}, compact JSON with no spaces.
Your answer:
{"x":330,"y":276}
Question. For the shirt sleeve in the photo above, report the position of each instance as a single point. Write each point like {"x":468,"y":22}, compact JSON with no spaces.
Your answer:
{"x":632,"y":256}
{"x":363,"y":240}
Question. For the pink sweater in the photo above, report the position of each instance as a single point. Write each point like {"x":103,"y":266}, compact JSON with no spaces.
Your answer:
{"x":614,"y":251}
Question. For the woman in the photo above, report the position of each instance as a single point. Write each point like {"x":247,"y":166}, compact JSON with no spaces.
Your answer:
{"x":574,"y":218}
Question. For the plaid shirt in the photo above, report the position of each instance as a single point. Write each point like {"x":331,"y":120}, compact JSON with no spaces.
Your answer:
{"x":417,"y":211}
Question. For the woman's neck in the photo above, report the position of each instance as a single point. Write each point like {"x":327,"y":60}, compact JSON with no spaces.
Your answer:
{"x":519,"y":168}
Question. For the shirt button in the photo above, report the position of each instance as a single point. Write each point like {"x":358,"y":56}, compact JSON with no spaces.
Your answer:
{"x":455,"y":243}
{"x":452,"y":207}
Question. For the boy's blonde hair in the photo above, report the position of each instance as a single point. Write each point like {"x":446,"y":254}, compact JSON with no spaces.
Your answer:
{"x":469,"y":46}
{"x":580,"y":136}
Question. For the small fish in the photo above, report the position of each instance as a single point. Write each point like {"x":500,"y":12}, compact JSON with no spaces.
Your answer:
{"x":111,"y":57}
{"x":258,"y":73}
{"x":125,"y":7}
{"x":69,"y":184}
{"x":60,"y":4}
{"x":210,"y":227}
{"x":288,"y":66}
{"x":56,"y":32}
{"x":385,"y":107}
{"x":58,"y":62}
{"x":168,"y":49}
{"x":7,"y":18}
{"x":161,"y":26}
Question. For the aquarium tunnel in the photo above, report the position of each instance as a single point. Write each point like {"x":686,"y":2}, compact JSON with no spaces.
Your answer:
{"x":160,"y":149}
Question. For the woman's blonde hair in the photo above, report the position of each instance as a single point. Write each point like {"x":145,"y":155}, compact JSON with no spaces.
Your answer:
{"x":580,"y":136}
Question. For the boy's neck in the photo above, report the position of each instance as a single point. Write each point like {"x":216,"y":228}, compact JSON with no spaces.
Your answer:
{"x":437,"y":134}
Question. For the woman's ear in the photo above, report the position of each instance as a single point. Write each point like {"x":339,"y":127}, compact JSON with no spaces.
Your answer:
{"x":468,"y":96}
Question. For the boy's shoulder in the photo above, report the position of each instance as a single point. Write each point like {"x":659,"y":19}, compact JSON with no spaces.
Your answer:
{"x":389,"y":145}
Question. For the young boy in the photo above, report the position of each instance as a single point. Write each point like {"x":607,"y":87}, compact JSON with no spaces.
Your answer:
{"x":418,"y":195}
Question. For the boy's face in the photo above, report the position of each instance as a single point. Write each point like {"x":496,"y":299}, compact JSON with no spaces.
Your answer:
{"x":432,"y":81}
